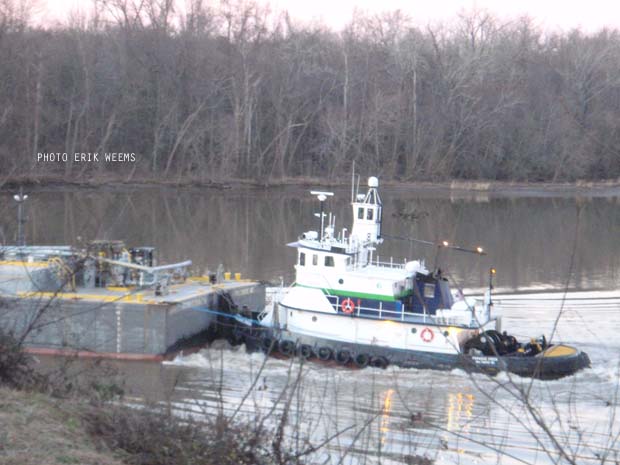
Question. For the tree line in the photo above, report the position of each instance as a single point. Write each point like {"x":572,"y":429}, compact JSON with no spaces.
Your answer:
{"x":233,"y":91}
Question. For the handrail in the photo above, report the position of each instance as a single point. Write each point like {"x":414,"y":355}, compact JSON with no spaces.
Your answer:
{"x":390,"y":265}
{"x":382,"y":314}
{"x":393,"y":265}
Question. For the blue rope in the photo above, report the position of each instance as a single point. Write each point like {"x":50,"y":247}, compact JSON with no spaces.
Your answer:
{"x":241,"y":319}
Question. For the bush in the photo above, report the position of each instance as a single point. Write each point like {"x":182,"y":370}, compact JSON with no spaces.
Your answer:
{"x":15,"y":365}
{"x":156,"y":437}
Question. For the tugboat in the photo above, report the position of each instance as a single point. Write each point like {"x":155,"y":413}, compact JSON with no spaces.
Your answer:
{"x":348,"y":307}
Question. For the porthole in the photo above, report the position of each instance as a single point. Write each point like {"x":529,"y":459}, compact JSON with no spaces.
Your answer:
{"x":446,"y":333}
{"x":341,"y":281}
{"x":313,"y":318}
{"x":414,"y":330}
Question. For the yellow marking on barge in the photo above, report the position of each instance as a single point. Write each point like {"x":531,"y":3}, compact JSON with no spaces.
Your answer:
{"x":24,"y":263}
{"x":133,"y":298}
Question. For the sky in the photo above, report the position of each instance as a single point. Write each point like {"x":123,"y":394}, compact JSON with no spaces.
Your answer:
{"x":589,"y":15}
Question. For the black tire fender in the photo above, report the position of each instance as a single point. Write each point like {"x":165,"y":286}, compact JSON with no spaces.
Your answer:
{"x":305,"y":351}
{"x":267,"y":344}
{"x":362,"y":360}
{"x":324,"y":353}
{"x":379,"y":362}
{"x":286,"y":347}
{"x":343,"y":357}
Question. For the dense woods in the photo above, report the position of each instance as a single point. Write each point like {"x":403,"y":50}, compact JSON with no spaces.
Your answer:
{"x":233,"y":91}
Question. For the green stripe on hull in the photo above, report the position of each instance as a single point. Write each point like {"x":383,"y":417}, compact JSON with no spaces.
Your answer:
{"x":360,"y":295}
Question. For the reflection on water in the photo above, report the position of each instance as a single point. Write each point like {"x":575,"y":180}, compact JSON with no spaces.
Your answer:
{"x":459,"y":412}
{"x":529,"y":240}
{"x":385,"y":416}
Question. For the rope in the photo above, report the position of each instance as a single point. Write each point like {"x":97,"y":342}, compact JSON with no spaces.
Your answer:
{"x":241,"y":319}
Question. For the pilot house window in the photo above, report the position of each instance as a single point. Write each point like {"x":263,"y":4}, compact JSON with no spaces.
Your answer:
{"x":369,"y":214}
{"x":429,"y":290}
{"x":315,"y":260}
{"x":302,"y":259}
{"x":329,"y":260}
{"x":360,"y":213}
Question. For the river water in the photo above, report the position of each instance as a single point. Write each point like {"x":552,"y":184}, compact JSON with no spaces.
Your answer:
{"x":541,"y":243}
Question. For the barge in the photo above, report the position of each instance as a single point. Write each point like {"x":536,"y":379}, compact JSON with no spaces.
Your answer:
{"x":107,"y":299}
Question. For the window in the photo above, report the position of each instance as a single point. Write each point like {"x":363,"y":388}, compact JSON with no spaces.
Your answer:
{"x":302,"y":259}
{"x":360,"y":213}
{"x":315,"y":259}
{"x":369,"y":214}
{"x":429,"y":290}
{"x":329,"y":260}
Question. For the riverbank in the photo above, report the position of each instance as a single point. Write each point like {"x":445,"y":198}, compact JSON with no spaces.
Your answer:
{"x":36,"y":429}
{"x":77,"y":413}
{"x":484,"y":186}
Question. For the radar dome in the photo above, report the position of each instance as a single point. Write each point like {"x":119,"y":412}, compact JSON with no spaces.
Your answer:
{"x":373,"y":182}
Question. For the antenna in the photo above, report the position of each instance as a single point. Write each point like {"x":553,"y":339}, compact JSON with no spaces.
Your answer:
{"x":322,"y":196}
{"x":439,"y":247}
{"x":353,"y":183}
{"x":492,"y":272}
{"x":20,"y":199}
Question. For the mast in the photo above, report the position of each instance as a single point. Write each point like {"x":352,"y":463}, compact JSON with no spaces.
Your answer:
{"x":322,"y":196}
{"x":353,"y":183}
{"x":20,"y":199}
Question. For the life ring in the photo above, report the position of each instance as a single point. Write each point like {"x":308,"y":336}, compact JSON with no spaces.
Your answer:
{"x":427,"y":335}
{"x":347,"y":306}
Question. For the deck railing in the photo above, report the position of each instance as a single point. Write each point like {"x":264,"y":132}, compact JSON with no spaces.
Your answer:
{"x":384,"y":264}
{"x":387,"y":314}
